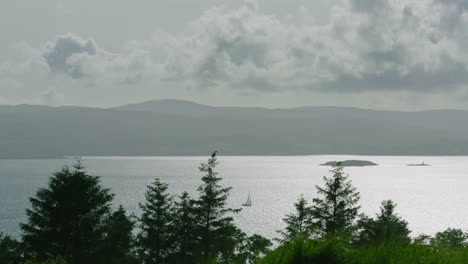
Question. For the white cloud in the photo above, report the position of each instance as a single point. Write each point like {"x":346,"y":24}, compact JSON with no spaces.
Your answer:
{"x":368,"y":46}
{"x":67,"y":52}
{"x":51,"y":97}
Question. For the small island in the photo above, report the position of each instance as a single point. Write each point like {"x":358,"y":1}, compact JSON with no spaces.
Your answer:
{"x":418,"y":164}
{"x":350,"y":163}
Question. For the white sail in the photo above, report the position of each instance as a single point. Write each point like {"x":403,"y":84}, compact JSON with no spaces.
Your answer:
{"x":248,"y":202}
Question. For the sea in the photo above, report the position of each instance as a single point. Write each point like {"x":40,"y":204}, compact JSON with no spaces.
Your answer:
{"x":430,"y":198}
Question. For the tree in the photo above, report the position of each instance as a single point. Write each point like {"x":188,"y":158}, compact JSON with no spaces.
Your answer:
{"x":252,"y":248}
{"x":155,"y":238}
{"x":422,"y":239}
{"x":215,"y":224}
{"x":184,"y":226}
{"x":119,"y":240}
{"x":299,"y":223}
{"x":67,"y":218}
{"x":336,"y":212}
{"x":451,"y":237}
{"x":228,"y":246}
{"x":10,"y":250}
{"x":387,"y":227}
{"x":50,"y":261}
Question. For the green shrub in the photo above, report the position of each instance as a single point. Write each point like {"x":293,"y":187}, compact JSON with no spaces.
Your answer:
{"x":333,"y":251}
{"x":304,"y":251}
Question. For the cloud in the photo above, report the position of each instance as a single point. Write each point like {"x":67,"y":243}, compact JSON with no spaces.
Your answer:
{"x":368,"y":46}
{"x":462,"y":4}
{"x":51,"y":97}
{"x":83,"y":59}
{"x":64,"y":53}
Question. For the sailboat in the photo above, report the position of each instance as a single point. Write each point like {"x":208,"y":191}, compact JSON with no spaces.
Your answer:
{"x":248,"y":202}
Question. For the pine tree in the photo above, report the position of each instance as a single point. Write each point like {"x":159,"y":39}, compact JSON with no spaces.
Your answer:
{"x":11,"y":251}
{"x":67,"y":218}
{"x":299,"y":223}
{"x":387,"y":227}
{"x":252,"y":248}
{"x":336,"y":212}
{"x":155,"y":238}
{"x":184,"y":226}
{"x":119,"y":240}
{"x":215,"y":223}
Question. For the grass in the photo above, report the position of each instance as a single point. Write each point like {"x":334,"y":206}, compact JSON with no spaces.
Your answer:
{"x":303,"y":251}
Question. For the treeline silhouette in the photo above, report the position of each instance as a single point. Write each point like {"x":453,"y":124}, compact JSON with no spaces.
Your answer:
{"x":71,"y":221}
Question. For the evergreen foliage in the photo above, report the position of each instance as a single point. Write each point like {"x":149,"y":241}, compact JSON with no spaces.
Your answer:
{"x":298,"y":224}
{"x":70,"y":221}
{"x":11,"y":251}
{"x":307,"y":251}
{"x":184,"y":227}
{"x":67,"y":218}
{"x":50,"y":261}
{"x":119,"y":240}
{"x":215,"y":223}
{"x":155,"y":240}
{"x":386,"y":227}
{"x":252,"y":248}
{"x":333,"y":251}
{"x":336,"y":211}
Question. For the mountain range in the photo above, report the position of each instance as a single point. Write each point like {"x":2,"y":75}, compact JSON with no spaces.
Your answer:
{"x":174,"y":127}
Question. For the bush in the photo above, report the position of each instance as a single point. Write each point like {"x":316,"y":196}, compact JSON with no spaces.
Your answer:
{"x":305,"y":251}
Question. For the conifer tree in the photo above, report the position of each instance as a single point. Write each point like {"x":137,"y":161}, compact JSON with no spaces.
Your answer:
{"x":252,"y":248}
{"x":184,"y":226}
{"x":336,"y":211}
{"x":67,"y":218}
{"x":298,"y":224}
{"x":385,"y":228}
{"x":119,"y":240}
{"x":155,"y":241}
{"x":10,"y":250}
{"x":215,"y":223}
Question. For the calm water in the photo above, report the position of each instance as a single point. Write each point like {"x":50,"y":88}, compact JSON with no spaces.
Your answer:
{"x":429,"y":198}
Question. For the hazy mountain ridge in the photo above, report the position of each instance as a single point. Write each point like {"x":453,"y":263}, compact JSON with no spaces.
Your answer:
{"x":172,"y":127}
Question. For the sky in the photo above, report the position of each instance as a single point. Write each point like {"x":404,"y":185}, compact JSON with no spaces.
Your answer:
{"x":378,"y":54}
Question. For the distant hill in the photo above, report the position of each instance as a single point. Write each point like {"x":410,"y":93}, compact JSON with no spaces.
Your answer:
{"x":172,"y":127}
{"x":168,"y":106}
{"x":188,"y":108}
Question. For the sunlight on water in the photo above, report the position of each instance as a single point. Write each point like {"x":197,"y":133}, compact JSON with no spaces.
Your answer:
{"x":430,"y":198}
